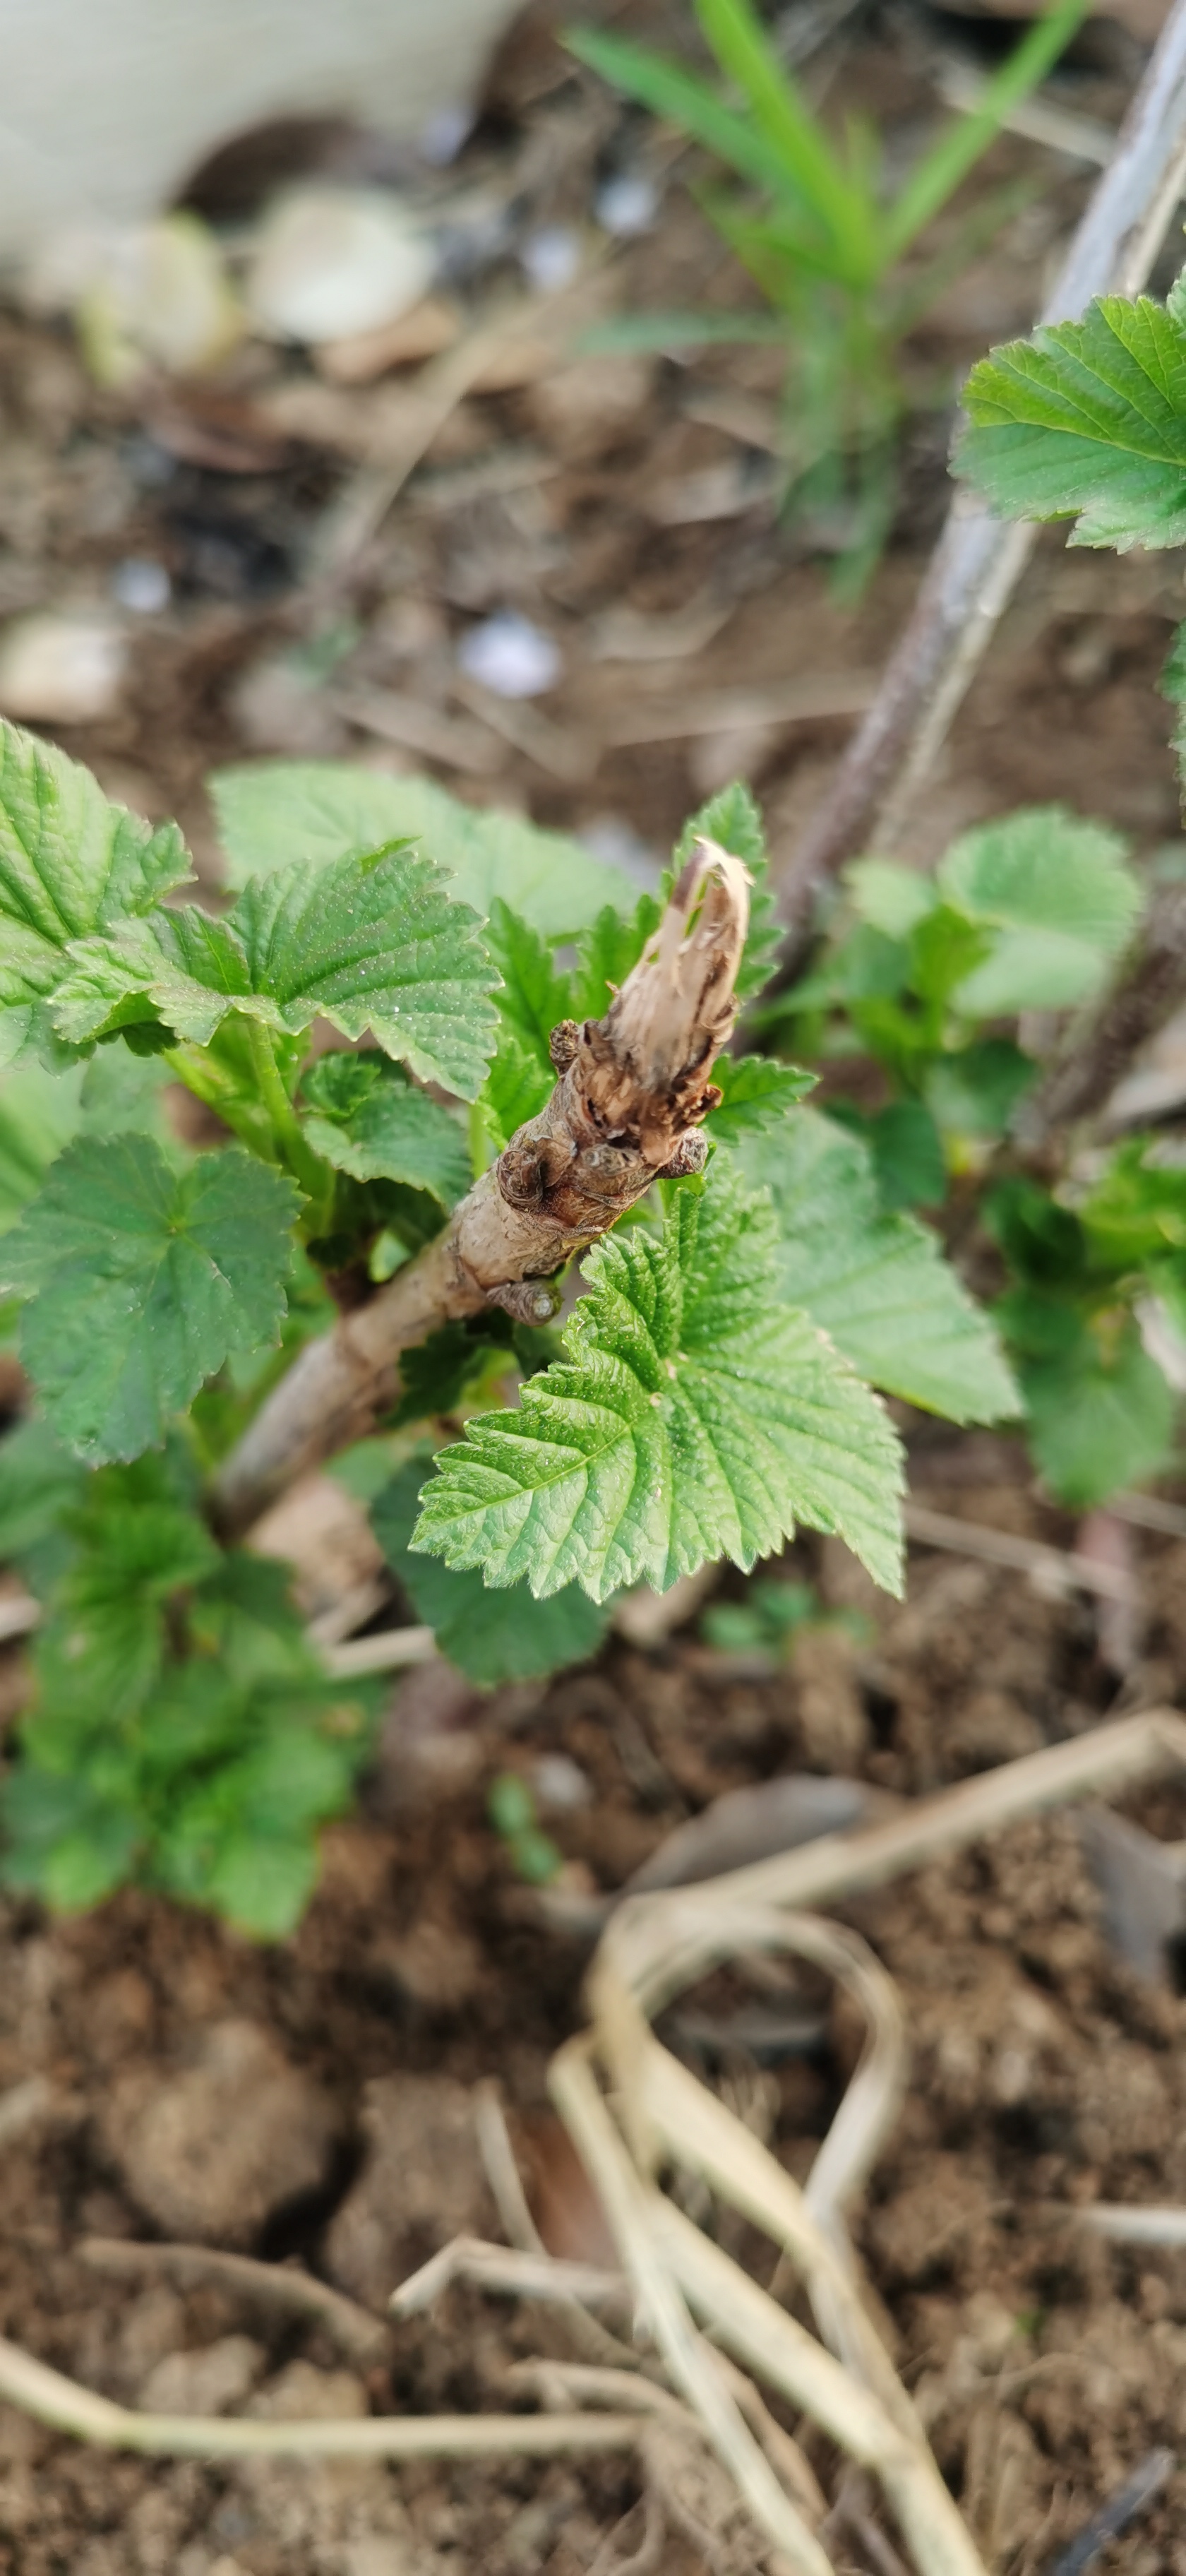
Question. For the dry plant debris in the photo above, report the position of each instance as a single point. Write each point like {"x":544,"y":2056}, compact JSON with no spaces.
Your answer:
{"x":658,"y":2115}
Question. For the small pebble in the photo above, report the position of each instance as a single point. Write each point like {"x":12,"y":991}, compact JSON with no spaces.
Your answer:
{"x":329,"y":262}
{"x":141,"y":585}
{"x":550,"y":259}
{"x":560,"y":1783}
{"x":510,"y":656}
{"x":627,"y":204}
{"x":61,"y":668}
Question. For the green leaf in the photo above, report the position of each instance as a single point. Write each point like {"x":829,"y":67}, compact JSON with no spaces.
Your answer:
{"x":437,"y":1374}
{"x":890,"y":898}
{"x":878,"y":1284}
{"x":271,"y":813}
{"x":1136,"y":1213}
{"x":39,"y":1113}
{"x":607,"y":951}
{"x":1059,"y":895}
{"x":694,"y":1418}
{"x":39,"y":1480}
{"x":1099,"y":1420}
{"x":624,"y":334}
{"x":1042,"y":1242}
{"x":1173,"y":686}
{"x":533,"y":995}
{"x":757,"y":1094}
{"x":907,"y":1156}
{"x":71,"y":863}
{"x":143,"y":1282}
{"x":365,"y":1117}
{"x":1086,"y":420}
{"x":88,"y":1865}
{"x":733,"y":821}
{"x":493,"y":1636}
{"x":941,"y":169}
{"x":182,"y":967}
{"x":974,"y":1090}
{"x":515,"y":1089}
{"x":262,"y":1884}
{"x":370,"y":942}
{"x":690,"y":105}
{"x":841,"y":200}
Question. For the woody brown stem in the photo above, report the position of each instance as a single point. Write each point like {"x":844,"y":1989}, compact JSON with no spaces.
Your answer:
{"x":632,"y":1091}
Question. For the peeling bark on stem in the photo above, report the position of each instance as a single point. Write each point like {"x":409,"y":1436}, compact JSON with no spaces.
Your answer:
{"x":631,"y":1093}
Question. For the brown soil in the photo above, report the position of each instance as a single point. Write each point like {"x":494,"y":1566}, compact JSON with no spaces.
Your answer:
{"x":265,"y":2099}
{"x":1045,"y":2073}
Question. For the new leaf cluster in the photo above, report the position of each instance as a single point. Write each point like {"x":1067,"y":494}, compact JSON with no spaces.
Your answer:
{"x":183,"y":1732}
{"x":710,"y":1396}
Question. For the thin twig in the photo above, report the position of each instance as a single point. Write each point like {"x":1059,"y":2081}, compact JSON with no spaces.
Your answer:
{"x":1151,"y":1512}
{"x":592,"y":2341}
{"x":352,"y":2326}
{"x":1039,"y":119}
{"x":504,"y":2268}
{"x":502,"y":2171}
{"x":1144,"y":2224}
{"x":1054,"y":1571}
{"x":61,"y":2403}
{"x":387,"y":1652}
{"x":1108,"y":1760}
{"x":979,"y":557}
{"x":632,"y":2209}
{"x":1103,"y":1043}
{"x":568,"y":2381}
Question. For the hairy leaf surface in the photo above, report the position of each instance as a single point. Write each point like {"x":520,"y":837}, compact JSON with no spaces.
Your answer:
{"x":366,"y":1118}
{"x":534,"y":994}
{"x":1099,"y":1418}
{"x":694,"y":1417}
{"x":515,"y":1089}
{"x":732,"y":819}
{"x":71,"y":863}
{"x":757,"y":1094}
{"x":368,"y":942}
{"x":1058,"y":896}
{"x":877,"y":1283}
{"x":493,"y":1636}
{"x":271,"y":813}
{"x":1087,"y":420}
{"x":143,"y":1282}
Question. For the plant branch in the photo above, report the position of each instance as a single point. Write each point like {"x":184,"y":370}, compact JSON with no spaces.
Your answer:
{"x":632,"y":1091}
{"x":979,"y":558}
{"x":68,"y":2408}
{"x":291,"y":1144}
{"x":365,"y":2337}
{"x":1080,"y":1081}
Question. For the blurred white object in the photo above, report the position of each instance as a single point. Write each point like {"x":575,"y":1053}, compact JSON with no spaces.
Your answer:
{"x":330,"y":262}
{"x":142,"y":295}
{"x":108,"y":105}
{"x":627,"y":204}
{"x":142,"y":585}
{"x":559,"y":1782}
{"x":61,"y":667}
{"x":443,"y":135}
{"x":611,"y":838}
{"x":510,"y":656}
{"x":550,"y":259}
